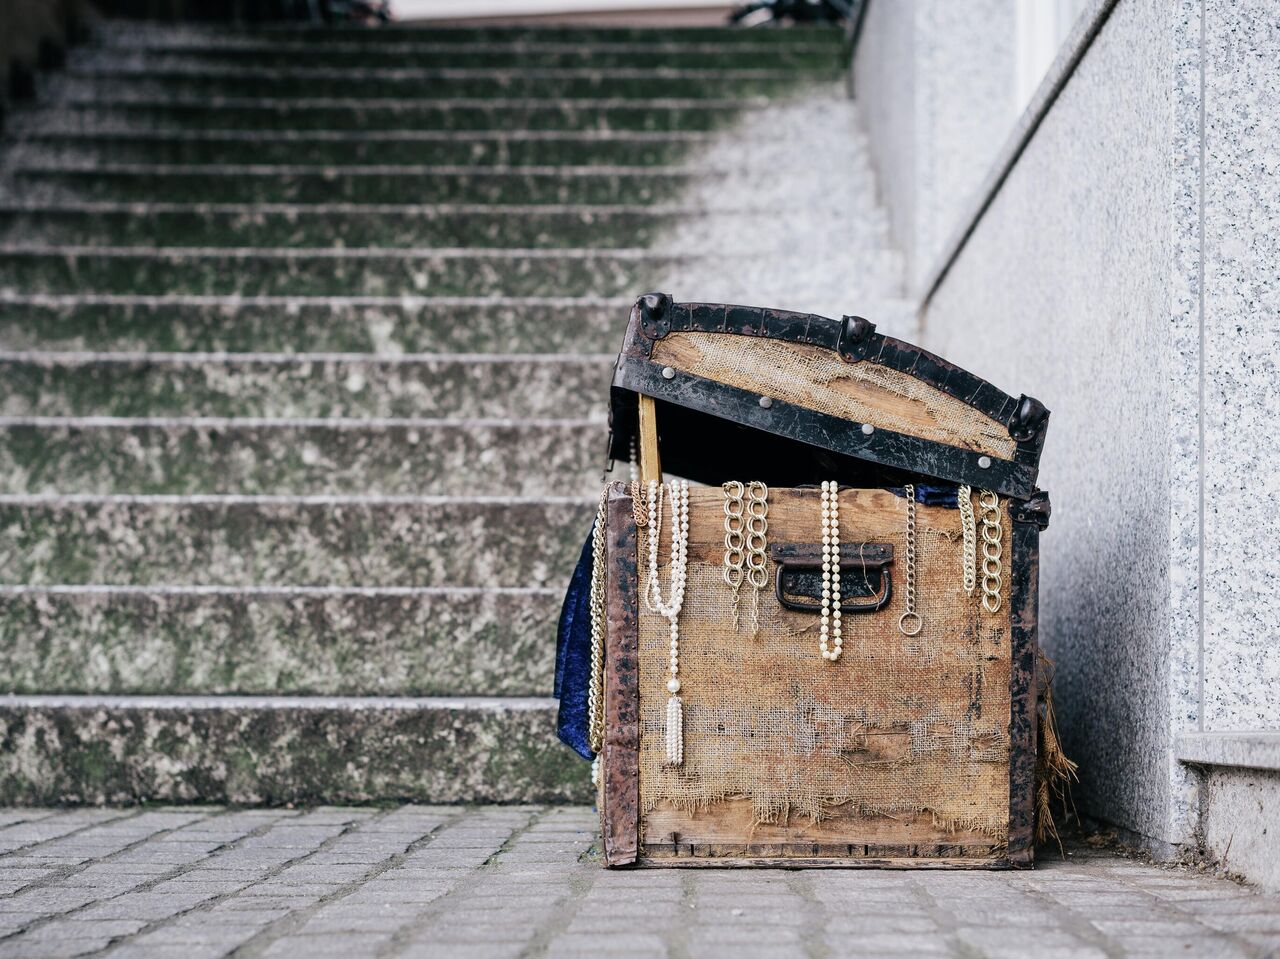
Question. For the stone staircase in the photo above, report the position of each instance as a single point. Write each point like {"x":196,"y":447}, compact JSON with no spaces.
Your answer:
{"x":304,"y":348}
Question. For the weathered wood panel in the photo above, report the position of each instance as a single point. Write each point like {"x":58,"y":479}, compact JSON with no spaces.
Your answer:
{"x":898,"y":754}
{"x":620,"y":771}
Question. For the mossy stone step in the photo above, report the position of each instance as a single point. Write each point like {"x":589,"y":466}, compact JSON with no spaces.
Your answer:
{"x":291,"y":541}
{"x":261,"y":148}
{"x":250,"y":114}
{"x":56,"y":750}
{"x":375,"y":184}
{"x":667,"y":53}
{"x":530,"y":35}
{"x":489,"y":386}
{"x":337,"y":225}
{"x":303,"y":457}
{"x":93,"y":85}
{"x":279,"y":272}
{"x":459,"y":642}
{"x":342,"y":324}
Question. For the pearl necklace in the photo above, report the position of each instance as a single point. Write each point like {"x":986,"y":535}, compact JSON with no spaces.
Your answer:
{"x":678,"y":493}
{"x":830,"y":626}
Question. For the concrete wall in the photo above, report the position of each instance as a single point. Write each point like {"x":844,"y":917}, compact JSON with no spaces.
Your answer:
{"x":1125,"y":273}
{"x":1063,"y":291}
{"x":1241,"y":365}
{"x":934,"y":81}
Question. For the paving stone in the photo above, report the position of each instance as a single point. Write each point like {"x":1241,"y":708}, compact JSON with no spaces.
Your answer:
{"x":863,"y":926}
{"x":231,"y":913}
{"x":477,"y":899}
{"x":996,"y":942}
{"x":27,"y":948}
{"x":771,"y":950}
{"x":462,"y":950}
{"x":1264,"y":922}
{"x":887,"y":944}
{"x":204,"y":934}
{"x":618,"y":944}
{"x":1217,"y":947}
{"x":82,"y":928}
{"x":329,"y":944}
{"x":165,"y":951}
{"x":49,"y":900}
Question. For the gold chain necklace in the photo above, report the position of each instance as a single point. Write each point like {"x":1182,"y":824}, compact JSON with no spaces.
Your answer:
{"x":964,"y":499}
{"x":757,"y":529}
{"x":991,"y":565}
{"x":595,"y":691}
{"x":910,"y":623}
{"x":735,"y":543}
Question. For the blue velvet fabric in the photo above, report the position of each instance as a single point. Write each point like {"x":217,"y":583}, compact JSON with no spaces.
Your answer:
{"x":573,"y":656}
{"x":947,"y":496}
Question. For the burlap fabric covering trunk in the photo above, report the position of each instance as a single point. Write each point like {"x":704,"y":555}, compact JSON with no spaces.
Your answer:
{"x":899,"y":727}
{"x":819,"y":379}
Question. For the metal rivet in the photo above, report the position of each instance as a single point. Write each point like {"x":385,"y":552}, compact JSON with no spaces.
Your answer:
{"x":668,"y":373}
{"x":984,"y":462}
{"x":868,"y":429}
{"x":765,"y":402}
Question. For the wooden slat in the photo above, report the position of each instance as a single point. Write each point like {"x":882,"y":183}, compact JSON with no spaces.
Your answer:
{"x":650,"y":460}
{"x":730,"y":822}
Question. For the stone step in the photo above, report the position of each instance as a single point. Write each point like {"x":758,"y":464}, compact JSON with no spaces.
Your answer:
{"x":276,"y":750}
{"x":306,"y":386}
{"x":291,"y":540}
{"x":338,"y":147}
{"x":257,"y":113}
{"x":337,"y":225}
{"x":94,"y":84}
{"x":321,"y":642}
{"x":526,"y":458}
{"x":135,"y":36}
{"x":341,"y":324}
{"x":664,"y":52}
{"x":314,"y":272}
{"x":353,"y":184}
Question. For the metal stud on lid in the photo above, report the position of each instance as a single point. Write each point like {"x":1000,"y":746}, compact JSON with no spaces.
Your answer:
{"x":868,"y":429}
{"x":765,"y":402}
{"x":984,"y":462}
{"x":668,"y":373}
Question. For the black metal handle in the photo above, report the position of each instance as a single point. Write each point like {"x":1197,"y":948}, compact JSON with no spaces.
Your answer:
{"x":864,"y":573}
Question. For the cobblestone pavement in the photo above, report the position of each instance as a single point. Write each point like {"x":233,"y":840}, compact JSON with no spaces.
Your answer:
{"x":497,"y":882}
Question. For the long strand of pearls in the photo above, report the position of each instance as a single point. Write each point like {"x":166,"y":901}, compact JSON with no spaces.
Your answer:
{"x":830,"y":626}
{"x":678,"y":493}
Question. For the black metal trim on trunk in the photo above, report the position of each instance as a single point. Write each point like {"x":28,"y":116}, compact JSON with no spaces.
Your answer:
{"x":855,"y":340}
{"x":1024,"y":591}
{"x":900,"y":451}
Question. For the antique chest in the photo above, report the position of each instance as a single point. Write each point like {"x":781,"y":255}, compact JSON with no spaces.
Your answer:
{"x":818,"y":647}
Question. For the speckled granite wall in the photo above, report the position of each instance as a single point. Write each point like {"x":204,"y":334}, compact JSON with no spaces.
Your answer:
{"x":1065,"y":291}
{"x":934,"y":81}
{"x":884,"y":86}
{"x":1241,"y":372}
{"x":1125,"y":273}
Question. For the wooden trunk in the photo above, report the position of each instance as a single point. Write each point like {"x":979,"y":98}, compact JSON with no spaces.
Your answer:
{"x":909,"y":750}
